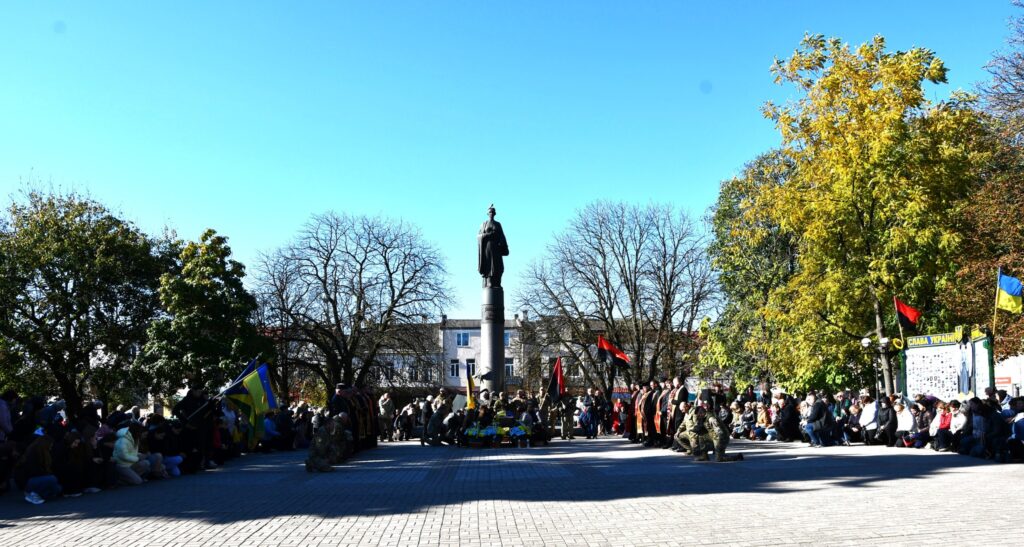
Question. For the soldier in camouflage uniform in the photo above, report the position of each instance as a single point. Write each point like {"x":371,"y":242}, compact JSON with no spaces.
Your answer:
{"x":320,"y":451}
{"x":681,"y":439}
{"x":341,"y":439}
{"x":707,"y":432}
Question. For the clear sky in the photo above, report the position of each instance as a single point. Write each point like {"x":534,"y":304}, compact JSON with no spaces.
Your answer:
{"x":248,"y":117}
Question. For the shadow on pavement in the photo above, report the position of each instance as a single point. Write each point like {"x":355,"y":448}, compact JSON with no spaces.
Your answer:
{"x":406,"y":477}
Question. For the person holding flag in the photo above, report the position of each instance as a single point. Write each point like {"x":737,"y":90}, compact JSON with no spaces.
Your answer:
{"x":556,"y":394}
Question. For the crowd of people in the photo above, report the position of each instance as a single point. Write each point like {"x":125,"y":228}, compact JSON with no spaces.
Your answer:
{"x":661,"y":414}
{"x":48,"y":449}
{"x":524,"y":419}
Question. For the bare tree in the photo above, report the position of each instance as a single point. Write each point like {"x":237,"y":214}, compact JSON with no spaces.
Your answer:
{"x":1005,"y":92}
{"x":637,"y":274}
{"x":347,"y":290}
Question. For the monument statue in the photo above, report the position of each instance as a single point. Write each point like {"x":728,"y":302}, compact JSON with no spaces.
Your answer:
{"x":491,"y":246}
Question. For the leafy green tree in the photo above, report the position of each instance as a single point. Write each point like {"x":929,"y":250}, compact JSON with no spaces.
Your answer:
{"x":752,"y":256}
{"x":77,"y":284}
{"x":879,"y":172}
{"x":207,"y":330}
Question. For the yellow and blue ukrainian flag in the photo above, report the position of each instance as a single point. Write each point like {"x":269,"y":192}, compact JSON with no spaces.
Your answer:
{"x":1008,"y":294}
{"x":253,"y":396}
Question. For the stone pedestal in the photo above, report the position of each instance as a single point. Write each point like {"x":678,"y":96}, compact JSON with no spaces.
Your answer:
{"x":491,"y":367}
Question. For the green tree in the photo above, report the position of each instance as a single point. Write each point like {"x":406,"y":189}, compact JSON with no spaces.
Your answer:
{"x":752,"y":257}
{"x":873,"y":203}
{"x":77,"y":285}
{"x":208,"y":329}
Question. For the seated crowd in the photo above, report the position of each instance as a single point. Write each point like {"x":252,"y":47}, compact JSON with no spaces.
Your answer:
{"x":991,"y":427}
{"x":48,"y":449}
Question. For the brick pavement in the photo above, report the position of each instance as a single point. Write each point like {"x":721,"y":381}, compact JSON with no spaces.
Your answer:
{"x":603,"y":492}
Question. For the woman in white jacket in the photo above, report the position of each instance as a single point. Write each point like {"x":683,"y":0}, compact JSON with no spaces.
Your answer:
{"x":905,"y":424}
{"x":868,"y":418}
{"x":130,"y":467}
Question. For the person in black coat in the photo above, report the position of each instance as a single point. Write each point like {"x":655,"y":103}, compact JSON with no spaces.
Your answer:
{"x":816,"y":426}
{"x":787,"y":423}
{"x":886,"y":422}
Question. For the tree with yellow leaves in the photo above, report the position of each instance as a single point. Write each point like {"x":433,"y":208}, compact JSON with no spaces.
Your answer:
{"x":873,"y":202}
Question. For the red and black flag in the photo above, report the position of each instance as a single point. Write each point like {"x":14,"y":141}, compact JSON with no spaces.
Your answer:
{"x":556,"y":387}
{"x":606,"y":350}
{"x":908,"y":316}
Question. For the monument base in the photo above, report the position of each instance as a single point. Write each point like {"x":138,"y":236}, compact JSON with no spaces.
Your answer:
{"x":492,"y":340}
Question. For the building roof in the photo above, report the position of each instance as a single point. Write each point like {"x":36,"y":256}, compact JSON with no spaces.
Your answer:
{"x":470,"y":324}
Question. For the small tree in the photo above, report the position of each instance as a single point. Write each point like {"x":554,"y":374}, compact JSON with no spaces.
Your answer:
{"x":207,"y":330}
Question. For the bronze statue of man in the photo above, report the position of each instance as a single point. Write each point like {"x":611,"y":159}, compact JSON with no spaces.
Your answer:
{"x":491,"y":246}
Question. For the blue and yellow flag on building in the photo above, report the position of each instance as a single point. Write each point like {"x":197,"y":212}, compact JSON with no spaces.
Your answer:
{"x":1008,"y":294}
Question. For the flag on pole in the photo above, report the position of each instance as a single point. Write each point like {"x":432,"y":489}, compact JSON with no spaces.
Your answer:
{"x":470,"y":400}
{"x":556,"y":386}
{"x":908,"y":316}
{"x":1008,"y":294}
{"x":253,"y":397}
{"x":606,"y":349}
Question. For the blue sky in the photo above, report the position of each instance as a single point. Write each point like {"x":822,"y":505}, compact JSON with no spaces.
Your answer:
{"x":248,"y":117}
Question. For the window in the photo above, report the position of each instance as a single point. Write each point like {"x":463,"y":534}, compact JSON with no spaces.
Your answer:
{"x":389,"y":371}
{"x":462,"y":339}
{"x":427,"y":375}
{"x":471,"y":367}
{"x":414,"y":375}
{"x":508,"y":339}
{"x":510,"y":367}
{"x":453,"y":368}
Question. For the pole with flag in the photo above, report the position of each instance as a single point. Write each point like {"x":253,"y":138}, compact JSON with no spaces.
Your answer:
{"x":1008,"y":297}
{"x":556,"y":386}
{"x":470,"y":400}
{"x":906,"y":316}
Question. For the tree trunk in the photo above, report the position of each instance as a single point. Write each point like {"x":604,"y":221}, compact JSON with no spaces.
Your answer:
{"x":69,"y":392}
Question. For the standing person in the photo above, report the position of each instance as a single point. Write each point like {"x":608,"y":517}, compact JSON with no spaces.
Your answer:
{"x":630,"y":429}
{"x":543,"y":406}
{"x":568,"y":427}
{"x":664,"y":412}
{"x":426,"y":413}
{"x":650,"y":409}
{"x":585,"y":404}
{"x":386,"y":416}
{"x":679,"y":395}
{"x":339,"y":402}
{"x":601,"y":413}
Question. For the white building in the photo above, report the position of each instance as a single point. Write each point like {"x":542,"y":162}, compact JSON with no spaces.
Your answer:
{"x":460,"y":351}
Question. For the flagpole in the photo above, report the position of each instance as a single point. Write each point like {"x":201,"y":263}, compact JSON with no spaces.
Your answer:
{"x":995,"y":309}
{"x":898,"y":322}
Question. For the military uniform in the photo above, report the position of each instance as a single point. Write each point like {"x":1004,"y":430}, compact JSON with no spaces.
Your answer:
{"x":715,"y":438}
{"x":698,"y":434}
{"x":681,"y":439}
{"x":341,"y":441}
{"x":320,"y":452}
{"x":567,"y":421}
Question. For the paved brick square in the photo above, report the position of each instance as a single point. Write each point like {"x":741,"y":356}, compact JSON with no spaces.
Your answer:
{"x":603,"y":492}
